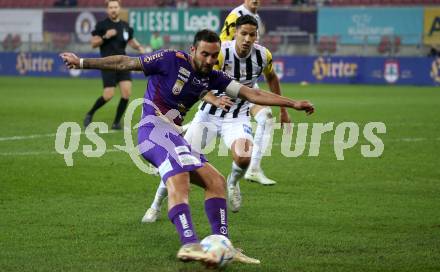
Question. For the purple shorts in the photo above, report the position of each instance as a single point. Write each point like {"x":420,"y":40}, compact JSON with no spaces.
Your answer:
{"x":166,"y":149}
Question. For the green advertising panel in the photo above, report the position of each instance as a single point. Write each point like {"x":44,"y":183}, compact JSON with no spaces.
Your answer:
{"x":179,"y":25}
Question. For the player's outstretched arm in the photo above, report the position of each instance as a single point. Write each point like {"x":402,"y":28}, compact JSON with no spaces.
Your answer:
{"x":114,"y":63}
{"x":274,"y":86}
{"x":260,"y":97}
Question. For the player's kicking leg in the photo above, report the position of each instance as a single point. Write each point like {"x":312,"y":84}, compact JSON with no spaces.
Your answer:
{"x":194,"y":134}
{"x":215,"y":204}
{"x":153,"y":213}
{"x":265,"y":123}
{"x":180,"y":215}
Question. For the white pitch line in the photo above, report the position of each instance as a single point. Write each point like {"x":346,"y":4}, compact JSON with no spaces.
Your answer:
{"x":37,"y":153}
{"x":15,"y":138}
{"x":27,"y":137}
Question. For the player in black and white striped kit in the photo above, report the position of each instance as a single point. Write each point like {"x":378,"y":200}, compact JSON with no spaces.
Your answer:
{"x":245,"y":61}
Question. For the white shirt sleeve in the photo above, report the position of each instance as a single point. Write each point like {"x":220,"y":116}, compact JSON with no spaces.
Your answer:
{"x":233,"y":89}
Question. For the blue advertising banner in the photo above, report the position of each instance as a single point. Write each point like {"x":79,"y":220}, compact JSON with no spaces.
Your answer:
{"x":359,"y":70}
{"x":340,"y":70}
{"x":43,"y":65}
{"x":360,"y":25}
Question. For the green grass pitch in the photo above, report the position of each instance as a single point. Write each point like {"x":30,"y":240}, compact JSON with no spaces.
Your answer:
{"x":359,"y":214}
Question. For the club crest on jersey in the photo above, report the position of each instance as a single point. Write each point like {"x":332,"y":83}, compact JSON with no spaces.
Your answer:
{"x":178,"y":86}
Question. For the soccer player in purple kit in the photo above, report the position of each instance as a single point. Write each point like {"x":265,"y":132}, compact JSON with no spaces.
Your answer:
{"x":177,"y":81}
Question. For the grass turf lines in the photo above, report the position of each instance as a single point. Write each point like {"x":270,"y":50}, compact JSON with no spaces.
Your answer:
{"x":359,"y":214}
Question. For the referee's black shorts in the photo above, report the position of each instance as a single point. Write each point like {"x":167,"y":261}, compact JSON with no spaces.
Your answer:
{"x":110,"y":78}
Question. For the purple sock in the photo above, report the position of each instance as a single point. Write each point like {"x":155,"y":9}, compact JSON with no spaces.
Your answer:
{"x":181,"y":218}
{"x":216,"y":211}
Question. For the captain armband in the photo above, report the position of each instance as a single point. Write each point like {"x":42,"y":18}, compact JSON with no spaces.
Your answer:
{"x":233,"y":89}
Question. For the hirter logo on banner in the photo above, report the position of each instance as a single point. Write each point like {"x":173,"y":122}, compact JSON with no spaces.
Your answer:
{"x":391,"y":71}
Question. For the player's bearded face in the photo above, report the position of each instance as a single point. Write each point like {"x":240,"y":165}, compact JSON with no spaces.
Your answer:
{"x":113,"y":10}
{"x":205,"y":56}
{"x":245,"y":37}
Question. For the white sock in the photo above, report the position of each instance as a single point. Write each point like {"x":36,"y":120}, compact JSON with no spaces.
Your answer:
{"x":161,"y":193}
{"x":263,"y":133}
{"x":236,"y":174}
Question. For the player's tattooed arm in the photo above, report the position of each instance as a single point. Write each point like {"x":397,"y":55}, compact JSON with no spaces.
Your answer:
{"x":113,"y":63}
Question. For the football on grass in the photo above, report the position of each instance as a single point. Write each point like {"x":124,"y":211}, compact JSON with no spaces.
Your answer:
{"x":220,"y":247}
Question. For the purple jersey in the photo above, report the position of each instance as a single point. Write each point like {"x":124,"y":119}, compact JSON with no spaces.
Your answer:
{"x":173,"y":87}
{"x":173,"y":83}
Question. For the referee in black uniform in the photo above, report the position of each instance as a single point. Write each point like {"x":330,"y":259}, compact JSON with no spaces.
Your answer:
{"x":112,"y":36}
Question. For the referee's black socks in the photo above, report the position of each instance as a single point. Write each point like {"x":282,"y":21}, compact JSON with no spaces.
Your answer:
{"x":121,"y":109}
{"x":99,"y":103}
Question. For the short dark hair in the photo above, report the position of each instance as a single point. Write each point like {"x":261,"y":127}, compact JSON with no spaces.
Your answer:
{"x":108,"y":2}
{"x":206,"y":35}
{"x":246,"y":20}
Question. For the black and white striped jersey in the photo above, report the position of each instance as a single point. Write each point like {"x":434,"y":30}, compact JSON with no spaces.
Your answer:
{"x":245,"y":70}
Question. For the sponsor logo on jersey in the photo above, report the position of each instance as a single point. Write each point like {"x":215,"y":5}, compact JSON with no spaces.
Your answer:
{"x":184,"y":71}
{"x":148,"y":59}
{"x":184,"y":79}
{"x":391,"y":71}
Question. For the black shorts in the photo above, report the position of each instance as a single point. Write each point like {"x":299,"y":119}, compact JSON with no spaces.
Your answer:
{"x":110,"y":78}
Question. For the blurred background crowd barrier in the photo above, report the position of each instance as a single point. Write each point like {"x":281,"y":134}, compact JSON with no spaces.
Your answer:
{"x":319,"y":41}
